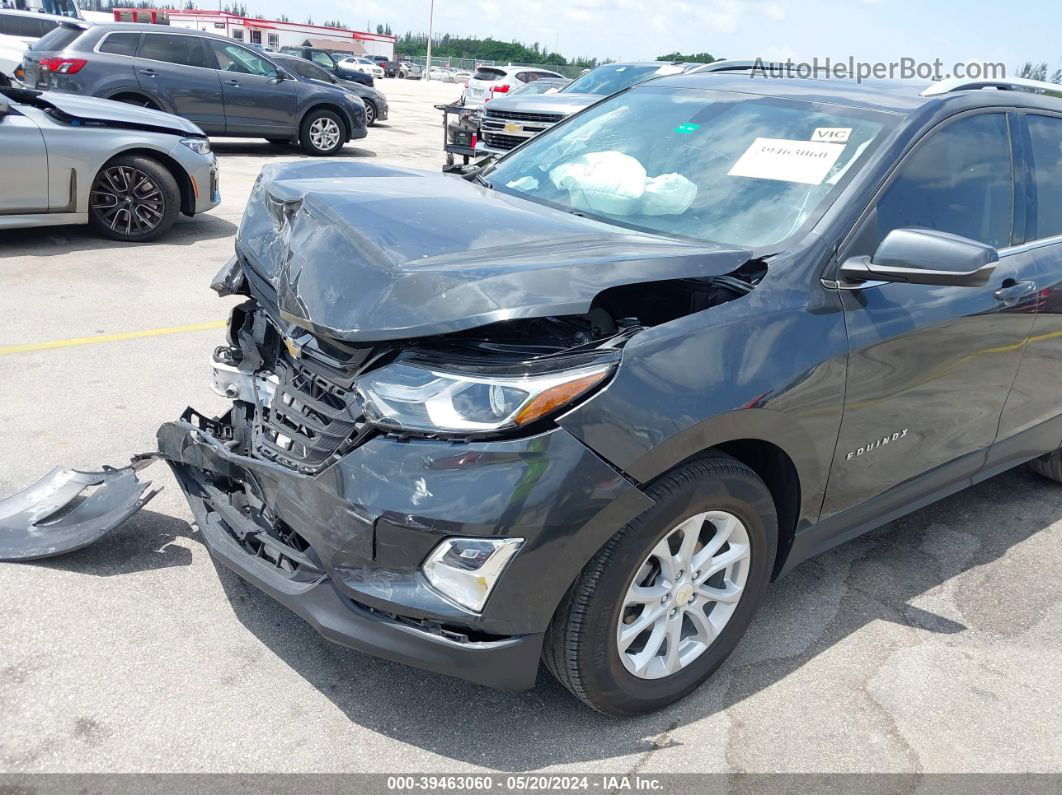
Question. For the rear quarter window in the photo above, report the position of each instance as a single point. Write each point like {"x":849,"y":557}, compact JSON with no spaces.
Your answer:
{"x":120,"y":43}
{"x":57,"y":39}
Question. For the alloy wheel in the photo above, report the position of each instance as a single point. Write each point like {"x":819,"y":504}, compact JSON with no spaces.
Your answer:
{"x":370,"y":114}
{"x":683,"y":594}
{"x":127,"y":200}
{"x":324,"y":134}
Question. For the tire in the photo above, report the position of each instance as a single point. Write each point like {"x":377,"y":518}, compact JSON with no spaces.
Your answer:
{"x":1050,"y":466}
{"x":402,"y":75}
{"x":370,"y":113}
{"x":279,"y":141}
{"x":133,"y":199}
{"x":138,"y":100}
{"x":581,"y":646}
{"x":324,"y":127}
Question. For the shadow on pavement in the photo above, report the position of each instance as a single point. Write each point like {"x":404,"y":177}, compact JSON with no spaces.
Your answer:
{"x":142,"y":543}
{"x":262,"y":148}
{"x":873,"y":578}
{"x":61,"y":240}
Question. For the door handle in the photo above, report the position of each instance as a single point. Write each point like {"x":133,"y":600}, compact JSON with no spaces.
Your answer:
{"x":148,"y":72}
{"x":1014,"y":292}
{"x":235,"y":83}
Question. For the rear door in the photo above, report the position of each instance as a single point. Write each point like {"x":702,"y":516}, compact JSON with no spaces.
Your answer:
{"x":1032,"y":420}
{"x":930,"y":367}
{"x":24,"y":165}
{"x":177,"y":71}
{"x":257,"y":102}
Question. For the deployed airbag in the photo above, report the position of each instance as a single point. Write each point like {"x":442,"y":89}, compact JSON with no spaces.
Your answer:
{"x":615,"y":183}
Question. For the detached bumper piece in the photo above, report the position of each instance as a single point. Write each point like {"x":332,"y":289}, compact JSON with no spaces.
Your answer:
{"x":67,"y":510}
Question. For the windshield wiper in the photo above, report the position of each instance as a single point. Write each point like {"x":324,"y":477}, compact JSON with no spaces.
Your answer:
{"x":484,"y":182}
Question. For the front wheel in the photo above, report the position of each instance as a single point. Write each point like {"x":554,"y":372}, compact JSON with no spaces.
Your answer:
{"x":134,"y":199}
{"x":664,"y":602}
{"x":321,"y":133}
{"x":370,"y":113}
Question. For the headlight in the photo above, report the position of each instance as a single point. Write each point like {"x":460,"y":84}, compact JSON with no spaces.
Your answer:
{"x":201,"y":146}
{"x":422,"y":398}
{"x":466,"y":569}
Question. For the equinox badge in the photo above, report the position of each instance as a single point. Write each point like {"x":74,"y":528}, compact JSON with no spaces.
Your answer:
{"x":884,"y":440}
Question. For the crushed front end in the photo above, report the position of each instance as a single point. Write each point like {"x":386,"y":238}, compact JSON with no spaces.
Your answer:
{"x":338,"y":516}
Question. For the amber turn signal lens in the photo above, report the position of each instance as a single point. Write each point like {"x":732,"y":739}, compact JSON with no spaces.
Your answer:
{"x":545,"y":402}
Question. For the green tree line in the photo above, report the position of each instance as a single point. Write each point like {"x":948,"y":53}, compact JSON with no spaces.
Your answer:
{"x":488,"y":49}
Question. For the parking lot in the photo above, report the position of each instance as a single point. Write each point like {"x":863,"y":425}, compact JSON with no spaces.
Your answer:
{"x":931,"y":644}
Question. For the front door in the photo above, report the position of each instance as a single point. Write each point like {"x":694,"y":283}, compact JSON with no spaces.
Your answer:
{"x":930,"y":367}
{"x":177,"y":71}
{"x":257,"y":101}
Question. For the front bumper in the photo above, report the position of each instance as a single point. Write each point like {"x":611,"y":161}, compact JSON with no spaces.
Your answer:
{"x":203,"y":172}
{"x":369,"y":520}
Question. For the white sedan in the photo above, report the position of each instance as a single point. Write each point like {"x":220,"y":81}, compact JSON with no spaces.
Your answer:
{"x":366,"y":65}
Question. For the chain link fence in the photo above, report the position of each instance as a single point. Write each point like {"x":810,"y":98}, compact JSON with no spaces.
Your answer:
{"x":469,"y":65}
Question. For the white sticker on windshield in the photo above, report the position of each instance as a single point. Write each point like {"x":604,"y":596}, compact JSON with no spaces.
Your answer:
{"x":807,"y":162}
{"x":833,"y":135}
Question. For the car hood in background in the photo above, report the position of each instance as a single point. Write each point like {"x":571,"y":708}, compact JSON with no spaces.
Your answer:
{"x":106,"y":110}
{"x":367,"y":253}
{"x":564,"y":104}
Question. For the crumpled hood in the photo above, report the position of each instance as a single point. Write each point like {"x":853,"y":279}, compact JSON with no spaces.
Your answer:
{"x":367,"y":253}
{"x":108,"y":110}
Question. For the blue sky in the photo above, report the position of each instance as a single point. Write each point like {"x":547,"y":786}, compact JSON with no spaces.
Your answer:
{"x":871,"y":30}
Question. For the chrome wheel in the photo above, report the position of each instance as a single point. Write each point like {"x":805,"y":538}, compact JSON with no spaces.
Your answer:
{"x":683,"y":594}
{"x":127,"y":200}
{"x":370,"y":114}
{"x":324,"y":133}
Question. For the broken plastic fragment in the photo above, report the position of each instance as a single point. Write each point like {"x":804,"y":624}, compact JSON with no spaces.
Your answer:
{"x":67,"y":510}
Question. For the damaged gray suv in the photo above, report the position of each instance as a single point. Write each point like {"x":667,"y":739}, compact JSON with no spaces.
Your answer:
{"x":582,"y":407}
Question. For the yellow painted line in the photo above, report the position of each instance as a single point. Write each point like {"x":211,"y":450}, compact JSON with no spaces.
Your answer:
{"x":120,"y":336}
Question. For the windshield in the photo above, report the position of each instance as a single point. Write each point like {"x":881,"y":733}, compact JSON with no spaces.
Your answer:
{"x":611,"y":78}
{"x":727,"y":167}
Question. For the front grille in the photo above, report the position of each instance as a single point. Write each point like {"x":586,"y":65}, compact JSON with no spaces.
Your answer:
{"x":515,"y":115}
{"x":310,"y":421}
{"x":499,"y":141}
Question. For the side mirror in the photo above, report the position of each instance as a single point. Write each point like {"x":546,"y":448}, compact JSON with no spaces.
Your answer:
{"x":924,"y":256}
{"x":282,"y":75}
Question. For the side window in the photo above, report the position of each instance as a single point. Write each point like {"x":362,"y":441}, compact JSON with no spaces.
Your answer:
{"x":234,"y":58}
{"x":323,"y":59}
{"x":120,"y":43}
{"x":960,"y":181}
{"x":1045,"y":219}
{"x":180,"y":50}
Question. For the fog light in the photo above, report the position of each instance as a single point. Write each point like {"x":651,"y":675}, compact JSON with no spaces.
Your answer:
{"x":466,"y":569}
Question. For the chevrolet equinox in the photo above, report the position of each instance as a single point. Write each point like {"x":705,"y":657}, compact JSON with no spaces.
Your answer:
{"x":582,"y":406}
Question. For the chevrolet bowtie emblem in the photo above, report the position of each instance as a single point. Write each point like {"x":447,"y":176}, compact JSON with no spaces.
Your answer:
{"x":293,"y":347}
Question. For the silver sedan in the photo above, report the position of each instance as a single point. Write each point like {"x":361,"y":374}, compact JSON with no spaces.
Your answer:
{"x":126,"y":171}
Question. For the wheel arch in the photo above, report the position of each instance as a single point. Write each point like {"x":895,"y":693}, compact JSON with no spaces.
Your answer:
{"x":184,"y":181}
{"x":118,"y":94}
{"x":336,"y":109}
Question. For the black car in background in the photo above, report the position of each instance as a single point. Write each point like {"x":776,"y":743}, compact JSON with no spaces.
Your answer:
{"x":329,"y":63}
{"x":375,"y":102}
{"x":223,"y":86}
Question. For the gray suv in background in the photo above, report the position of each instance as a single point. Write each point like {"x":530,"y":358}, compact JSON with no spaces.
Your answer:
{"x":220,"y":85}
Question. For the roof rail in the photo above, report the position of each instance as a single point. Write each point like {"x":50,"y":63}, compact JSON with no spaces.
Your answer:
{"x":1004,"y":84}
